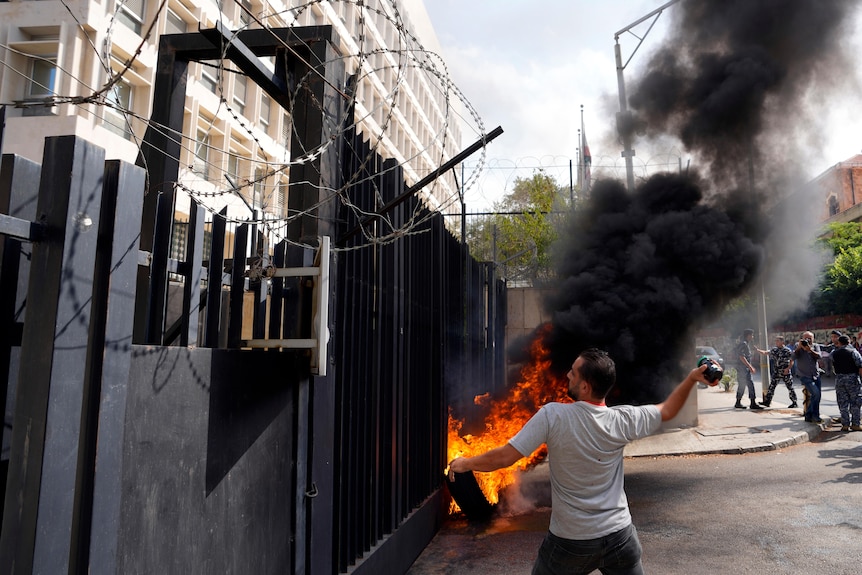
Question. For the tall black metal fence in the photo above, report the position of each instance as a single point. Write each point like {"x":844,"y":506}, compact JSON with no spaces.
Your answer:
{"x":413,"y":336}
{"x":204,"y":456}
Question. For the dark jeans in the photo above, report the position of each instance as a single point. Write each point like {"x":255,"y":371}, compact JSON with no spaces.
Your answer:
{"x":745,"y":382}
{"x":615,"y":554}
{"x":812,"y":413}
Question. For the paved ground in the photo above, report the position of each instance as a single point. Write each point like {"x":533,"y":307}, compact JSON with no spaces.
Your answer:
{"x":512,"y":540}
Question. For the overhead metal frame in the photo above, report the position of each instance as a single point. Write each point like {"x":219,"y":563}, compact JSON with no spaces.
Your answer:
{"x":292,"y":47}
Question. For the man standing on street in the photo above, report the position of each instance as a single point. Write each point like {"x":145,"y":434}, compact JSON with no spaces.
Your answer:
{"x":806,"y":363}
{"x":848,"y":390}
{"x":744,"y":370}
{"x":591,"y":527}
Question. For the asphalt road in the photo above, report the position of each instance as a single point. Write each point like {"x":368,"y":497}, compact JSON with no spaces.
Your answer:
{"x":795,"y":510}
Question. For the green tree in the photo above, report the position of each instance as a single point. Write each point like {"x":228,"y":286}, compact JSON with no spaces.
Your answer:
{"x":841,"y":288}
{"x":519,"y":234}
{"x":841,"y":236}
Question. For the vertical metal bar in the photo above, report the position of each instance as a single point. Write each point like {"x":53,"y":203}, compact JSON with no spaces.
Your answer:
{"x":160,"y":156}
{"x":41,"y":509}
{"x":237,"y":287}
{"x":277,"y":292}
{"x":19,"y":185}
{"x":2,"y":124}
{"x":214,"y":279}
{"x":193,"y":276}
{"x":258,"y":328}
{"x":113,"y":313}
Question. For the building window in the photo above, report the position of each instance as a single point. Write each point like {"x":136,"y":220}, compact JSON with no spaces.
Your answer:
{"x":202,"y":154}
{"x":833,"y":205}
{"x":244,"y":11}
{"x":240,"y":88}
{"x":258,"y":198}
{"x":43,"y":77}
{"x":233,"y":167}
{"x":174,"y":24}
{"x":265,"y":109}
{"x":210,"y":74}
{"x":131,"y":13}
{"x":119,"y":98}
{"x":281,"y":200}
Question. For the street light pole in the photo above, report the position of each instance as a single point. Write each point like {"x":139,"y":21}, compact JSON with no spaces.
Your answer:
{"x":624,"y":127}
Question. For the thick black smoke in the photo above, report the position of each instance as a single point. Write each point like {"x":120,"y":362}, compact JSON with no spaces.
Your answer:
{"x":640,"y":271}
{"x":733,"y":81}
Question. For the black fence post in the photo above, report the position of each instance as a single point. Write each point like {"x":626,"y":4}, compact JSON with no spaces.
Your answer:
{"x":237,"y":287}
{"x":19,"y":185}
{"x":192,"y":277}
{"x":113,"y":322}
{"x":41,"y":512}
{"x":214,"y":280}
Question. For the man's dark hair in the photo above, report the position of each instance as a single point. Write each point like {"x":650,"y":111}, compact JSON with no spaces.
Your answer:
{"x":599,"y":370}
{"x":746,"y":332}
{"x":843,"y":339}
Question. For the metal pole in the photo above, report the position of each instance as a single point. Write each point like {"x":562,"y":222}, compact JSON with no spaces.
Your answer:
{"x":625,"y":134}
{"x":580,"y":163}
{"x":762,"y":323}
{"x":627,"y":152}
{"x":463,"y":209}
{"x":763,"y":328}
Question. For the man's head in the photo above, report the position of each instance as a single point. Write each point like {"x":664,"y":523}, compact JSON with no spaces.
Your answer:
{"x":592,"y":376}
{"x":779,"y":341}
{"x":747,"y":334}
{"x":834,"y":335}
{"x":843,"y":340}
{"x":809,"y":336}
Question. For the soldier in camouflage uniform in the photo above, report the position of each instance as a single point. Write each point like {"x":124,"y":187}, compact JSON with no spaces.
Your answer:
{"x":780,"y":362}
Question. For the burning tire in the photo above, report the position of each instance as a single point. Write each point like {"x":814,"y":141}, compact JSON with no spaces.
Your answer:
{"x":469,"y":497}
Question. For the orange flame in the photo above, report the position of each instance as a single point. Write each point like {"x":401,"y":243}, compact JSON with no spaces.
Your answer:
{"x":506,"y":416}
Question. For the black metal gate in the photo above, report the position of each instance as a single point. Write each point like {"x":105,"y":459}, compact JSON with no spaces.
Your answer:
{"x":185,"y":452}
{"x":412,"y":333}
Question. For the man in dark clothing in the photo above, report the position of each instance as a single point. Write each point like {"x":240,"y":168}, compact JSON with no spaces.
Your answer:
{"x":744,"y":369}
{"x":848,"y":390}
{"x":806,"y":358}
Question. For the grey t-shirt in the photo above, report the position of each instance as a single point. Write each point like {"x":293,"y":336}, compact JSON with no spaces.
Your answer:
{"x":585,"y":454}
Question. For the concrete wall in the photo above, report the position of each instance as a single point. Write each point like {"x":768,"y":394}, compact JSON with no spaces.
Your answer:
{"x":524,"y":312}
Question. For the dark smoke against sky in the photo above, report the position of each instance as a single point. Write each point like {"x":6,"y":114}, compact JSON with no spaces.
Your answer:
{"x":741,"y":80}
{"x":738,"y":83}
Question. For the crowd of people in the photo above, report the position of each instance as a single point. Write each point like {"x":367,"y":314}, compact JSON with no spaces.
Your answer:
{"x":809,"y":361}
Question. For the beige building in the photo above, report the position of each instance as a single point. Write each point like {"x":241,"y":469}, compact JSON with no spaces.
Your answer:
{"x":85,"y":67}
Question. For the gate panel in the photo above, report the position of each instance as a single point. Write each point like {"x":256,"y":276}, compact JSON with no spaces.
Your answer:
{"x":41,"y":510}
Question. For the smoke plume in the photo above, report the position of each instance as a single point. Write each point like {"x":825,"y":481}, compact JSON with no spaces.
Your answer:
{"x":734,"y":82}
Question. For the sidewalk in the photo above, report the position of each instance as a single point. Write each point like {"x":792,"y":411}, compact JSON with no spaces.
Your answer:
{"x":722,"y":428}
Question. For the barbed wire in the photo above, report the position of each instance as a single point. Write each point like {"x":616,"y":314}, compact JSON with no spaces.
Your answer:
{"x":499,"y":175}
{"x":384,"y":55}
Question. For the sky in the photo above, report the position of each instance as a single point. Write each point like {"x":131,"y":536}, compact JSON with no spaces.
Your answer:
{"x":528,"y":67}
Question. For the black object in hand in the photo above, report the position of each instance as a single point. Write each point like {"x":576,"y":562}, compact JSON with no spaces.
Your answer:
{"x":713,"y":371}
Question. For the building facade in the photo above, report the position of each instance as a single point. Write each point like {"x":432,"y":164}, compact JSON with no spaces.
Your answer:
{"x":86,"y":67}
{"x":840,"y":191}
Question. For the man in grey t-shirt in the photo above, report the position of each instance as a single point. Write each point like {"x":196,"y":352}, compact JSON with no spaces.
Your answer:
{"x":591,"y":527}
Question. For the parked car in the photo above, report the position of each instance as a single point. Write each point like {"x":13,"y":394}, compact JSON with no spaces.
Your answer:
{"x":705,"y":350}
